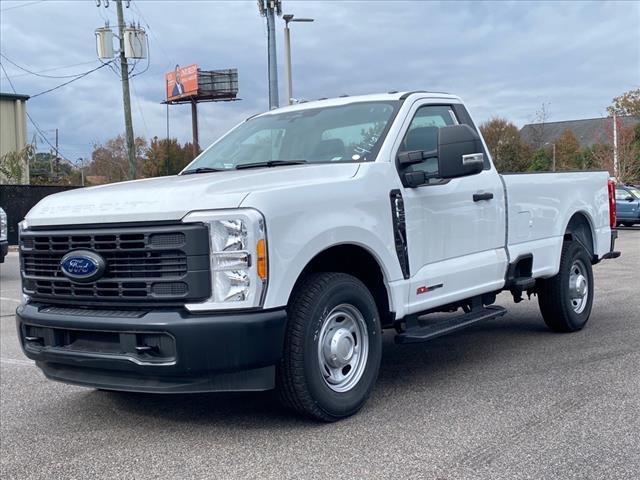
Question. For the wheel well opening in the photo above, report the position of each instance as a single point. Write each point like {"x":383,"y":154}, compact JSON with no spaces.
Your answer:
{"x":356,"y":261}
{"x":579,"y":229}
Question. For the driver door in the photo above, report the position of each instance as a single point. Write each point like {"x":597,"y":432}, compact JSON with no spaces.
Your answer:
{"x":455,"y":241}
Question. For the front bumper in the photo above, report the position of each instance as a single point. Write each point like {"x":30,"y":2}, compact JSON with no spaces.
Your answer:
{"x":158,"y":351}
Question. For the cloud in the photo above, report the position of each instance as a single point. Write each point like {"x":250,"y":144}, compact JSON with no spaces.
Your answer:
{"x":503,"y":58}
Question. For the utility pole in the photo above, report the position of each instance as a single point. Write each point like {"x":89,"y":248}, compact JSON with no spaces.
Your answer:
{"x":269,"y":8}
{"x":57,"y":157}
{"x":274,"y":101}
{"x":126,"y":96}
{"x":194,"y":127}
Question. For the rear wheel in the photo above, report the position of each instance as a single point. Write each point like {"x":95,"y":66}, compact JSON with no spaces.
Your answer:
{"x":566,"y":299}
{"x":332,"y":348}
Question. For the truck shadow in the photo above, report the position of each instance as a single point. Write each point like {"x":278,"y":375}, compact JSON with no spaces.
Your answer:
{"x":403,"y":367}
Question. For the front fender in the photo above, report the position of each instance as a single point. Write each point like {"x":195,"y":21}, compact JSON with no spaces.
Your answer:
{"x":288,"y":267}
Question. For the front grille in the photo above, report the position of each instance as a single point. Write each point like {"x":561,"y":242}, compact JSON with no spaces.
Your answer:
{"x":122,"y":263}
{"x":157,"y":263}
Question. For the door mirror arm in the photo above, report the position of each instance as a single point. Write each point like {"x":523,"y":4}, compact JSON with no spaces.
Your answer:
{"x":415,"y":156}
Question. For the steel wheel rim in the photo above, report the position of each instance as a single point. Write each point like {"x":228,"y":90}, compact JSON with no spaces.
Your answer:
{"x":343,"y":348}
{"x":578,"y":286}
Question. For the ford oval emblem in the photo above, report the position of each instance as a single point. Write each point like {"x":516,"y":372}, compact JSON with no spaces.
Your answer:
{"x":82,"y":266}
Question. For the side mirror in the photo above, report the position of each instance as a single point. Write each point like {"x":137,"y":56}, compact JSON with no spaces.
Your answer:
{"x":414,"y":179}
{"x":459,"y":152}
{"x":630,"y":198}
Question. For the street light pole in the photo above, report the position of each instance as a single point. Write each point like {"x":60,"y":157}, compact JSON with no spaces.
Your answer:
{"x":287,"y":51}
{"x":287,"y":57}
{"x":553,"y":164}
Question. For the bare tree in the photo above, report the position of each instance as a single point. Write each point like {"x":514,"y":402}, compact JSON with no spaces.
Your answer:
{"x":538,"y":128}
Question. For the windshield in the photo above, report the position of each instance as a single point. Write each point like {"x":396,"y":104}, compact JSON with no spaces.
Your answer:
{"x":346,"y":133}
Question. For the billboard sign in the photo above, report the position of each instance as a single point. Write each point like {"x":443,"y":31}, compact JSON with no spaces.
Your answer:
{"x":182,"y":82}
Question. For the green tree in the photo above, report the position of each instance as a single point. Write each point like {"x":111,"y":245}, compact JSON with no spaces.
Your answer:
{"x":626,"y":104}
{"x":504,"y":143}
{"x":45,"y":169}
{"x":166,"y":157}
{"x":109,"y":161}
{"x":13,"y":164}
{"x":567,"y":151}
{"x":540,"y":161}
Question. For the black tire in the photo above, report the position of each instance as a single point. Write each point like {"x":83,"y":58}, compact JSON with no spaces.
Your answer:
{"x":300,"y":381}
{"x":627,"y":224}
{"x":554,"y":298}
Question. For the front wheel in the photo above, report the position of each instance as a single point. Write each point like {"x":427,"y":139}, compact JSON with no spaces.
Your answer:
{"x":566,"y":299}
{"x":332,"y":347}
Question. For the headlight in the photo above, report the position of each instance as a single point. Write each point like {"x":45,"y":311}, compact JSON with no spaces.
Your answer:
{"x":3,"y":225}
{"x":238,"y":254}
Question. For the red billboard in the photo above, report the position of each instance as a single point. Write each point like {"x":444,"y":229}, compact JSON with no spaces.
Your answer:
{"x":182,"y":82}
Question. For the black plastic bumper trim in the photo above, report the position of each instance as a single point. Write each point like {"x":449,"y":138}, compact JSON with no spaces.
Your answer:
{"x":253,"y":380}
{"x":213,"y":352}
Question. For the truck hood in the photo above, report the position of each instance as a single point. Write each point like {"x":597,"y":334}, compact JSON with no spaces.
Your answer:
{"x":171,"y":198}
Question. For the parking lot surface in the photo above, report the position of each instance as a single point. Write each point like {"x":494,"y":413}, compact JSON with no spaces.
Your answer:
{"x":501,"y":400}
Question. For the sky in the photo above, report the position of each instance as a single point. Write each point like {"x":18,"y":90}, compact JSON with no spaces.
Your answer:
{"x":504,"y":59}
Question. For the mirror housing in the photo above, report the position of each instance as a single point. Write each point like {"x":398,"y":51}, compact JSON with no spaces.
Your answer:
{"x":414,"y":179}
{"x":630,"y":198}
{"x":459,"y":152}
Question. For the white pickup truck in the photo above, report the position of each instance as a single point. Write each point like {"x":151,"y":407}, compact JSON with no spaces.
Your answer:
{"x":278,"y":256}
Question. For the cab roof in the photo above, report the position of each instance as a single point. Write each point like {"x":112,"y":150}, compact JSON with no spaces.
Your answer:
{"x":374,"y":97}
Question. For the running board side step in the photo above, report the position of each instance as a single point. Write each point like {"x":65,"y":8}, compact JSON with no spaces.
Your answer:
{"x":424,"y":333}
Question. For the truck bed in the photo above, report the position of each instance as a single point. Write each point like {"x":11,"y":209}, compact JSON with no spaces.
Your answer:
{"x":539,"y":207}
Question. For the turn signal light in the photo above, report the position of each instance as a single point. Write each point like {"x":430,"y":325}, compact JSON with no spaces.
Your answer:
{"x":261,"y":254}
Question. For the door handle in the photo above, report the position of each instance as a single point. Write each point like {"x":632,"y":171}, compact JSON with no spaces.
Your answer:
{"x":478,"y":197}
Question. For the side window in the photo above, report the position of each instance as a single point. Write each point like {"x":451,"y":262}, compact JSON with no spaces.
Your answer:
{"x":621,"y":194}
{"x":423,"y":133}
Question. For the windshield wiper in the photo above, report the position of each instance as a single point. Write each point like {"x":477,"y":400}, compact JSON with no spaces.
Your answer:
{"x":270,"y":163}
{"x":201,"y":170}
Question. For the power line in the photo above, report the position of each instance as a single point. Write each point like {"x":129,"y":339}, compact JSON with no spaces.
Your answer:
{"x":39,"y":74}
{"x":21,"y":5}
{"x":56,"y":68}
{"x":72,"y":80}
{"x":135,"y":97}
{"x":33,"y":122}
{"x":170,"y":59}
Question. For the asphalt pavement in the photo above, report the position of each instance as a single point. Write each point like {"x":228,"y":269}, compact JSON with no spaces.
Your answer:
{"x":505,"y":399}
